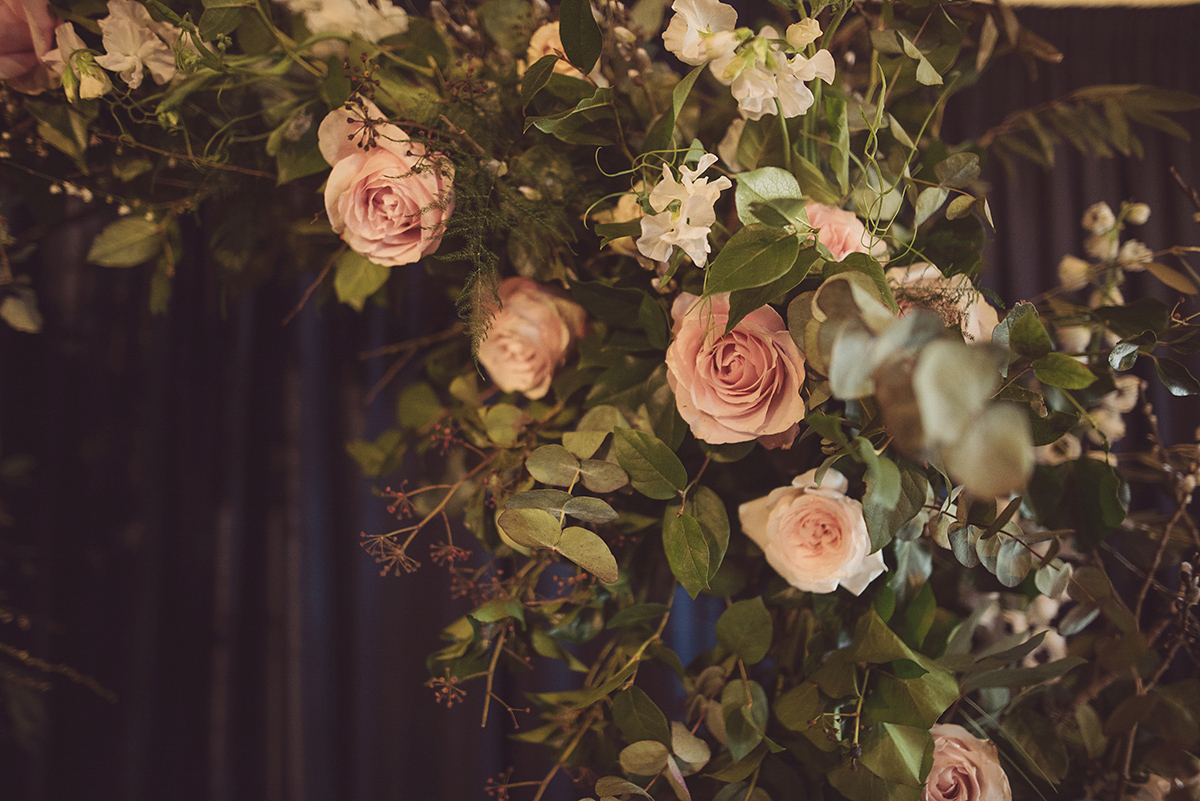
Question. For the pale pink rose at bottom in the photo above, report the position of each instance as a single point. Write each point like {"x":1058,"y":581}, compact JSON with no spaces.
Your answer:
{"x":738,"y":386}
{"x":965,"y":768}
{"x":530,"y":336}
{"x":814,"y":537}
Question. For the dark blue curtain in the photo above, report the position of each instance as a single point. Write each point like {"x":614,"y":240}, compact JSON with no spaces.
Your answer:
{"x":190,"y":536}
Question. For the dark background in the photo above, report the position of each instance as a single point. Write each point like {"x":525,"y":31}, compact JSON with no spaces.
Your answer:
{"x":190,"y":537}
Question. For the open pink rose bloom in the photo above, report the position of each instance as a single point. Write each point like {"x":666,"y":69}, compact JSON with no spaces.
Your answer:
{"x":387,"y":195}
{"x":738,"y":386}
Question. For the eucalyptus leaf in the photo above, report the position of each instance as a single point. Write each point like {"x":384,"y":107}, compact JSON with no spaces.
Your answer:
{"x":644,"y":758}
{"x":639,"y":718}
{"x":532,"y":528}
{"x":554,"y":465}
{"x":587,"y":550}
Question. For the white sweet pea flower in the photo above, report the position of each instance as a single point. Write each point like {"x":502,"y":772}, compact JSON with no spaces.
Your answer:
{"x":75,"y":65}
{"x":133,"y":43}
{"x":801,"y":34}
{"x":692,"y":32}
{"x":762,"y":72}
{"x":792,"y":77}
{"x":684,"y":213}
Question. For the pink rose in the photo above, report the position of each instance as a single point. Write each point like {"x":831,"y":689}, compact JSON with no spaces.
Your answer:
{"x":529,"y":336}
{"x":955,"y":298}
{"x":842,"y":232}
{"x":26,"y":35}
{"x":814,"y":537}
{"x":738,"y":386}
{"x":387,"y":195}
{"x":965,"y":768}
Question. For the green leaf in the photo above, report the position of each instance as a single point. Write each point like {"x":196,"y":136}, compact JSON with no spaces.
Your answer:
{"x":1039,"y":744}
{"x":590,"y":510}
{"x":1060,"y":370}
{"x":900,"y":754}
{"x":883,"y":521}
{"x":756,"y":255}
{"x":548,"y":500}
{"x":536,"y":77}
{"x":644,"y":758}
{"x":600,"y":476}
{"x":20,"y":311}
{"x":127,"y":242}
{"x":532,"y":528}
{"x":356,"y":278}
{"x":958,"y":171}
{"x":769,"y":195}
{"x":639,"y":718}
{"x":745,"y":708}
{"x":1175,"y":377}
{"x":799,"y":706}
{"x":554,"y":465}
{"x":1135,"y":317}
{"x":215,"y":22}
{"x":688,"y":551}
{"x":582,"y":125}
{"x":928,"y":202}
{"x":616,"y":787}
{"x":1021,"y":677}
{"x":499,"y":609}
{"x":581,"y":38}
{"x":863,"y":785}
{"x":636,"y":615}
{"x":709,"y":511}
{"x":745,"y":628}
{"x":960,"y":207}
{"x":1022,"y":331}
{"x":653,"y":468}
{"x":591,"y":431}
{"x":588,"y":551}
{"x":660,"y":135}
{"x":744,"y":301}
{"x":504,"y":422}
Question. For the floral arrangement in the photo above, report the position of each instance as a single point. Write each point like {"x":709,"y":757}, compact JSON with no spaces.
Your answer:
{"x":721,"y":334}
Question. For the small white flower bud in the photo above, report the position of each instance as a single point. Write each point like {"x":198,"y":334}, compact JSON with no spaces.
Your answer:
{"x":1098,"y":218}
{"x":1134,"y":256}
{"x":1137,"y":214}
{"x":1101,"y":246}
{"x":1073,"y":272}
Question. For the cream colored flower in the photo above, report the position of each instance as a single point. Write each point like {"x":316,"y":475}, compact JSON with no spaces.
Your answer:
{"x":135,"y":43}
{"x":813,"y":535}
{"x":1073,"y":273}
{"x":690,"y":35}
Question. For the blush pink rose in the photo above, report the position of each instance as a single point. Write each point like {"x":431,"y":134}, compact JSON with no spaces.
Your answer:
{"x":842,"y":232}
{"x":955,"y":298}
{"x":965,"y":768}
{"x":814,"y":537}
{"x":738,"y":386}
{"x":26,"y":35}
{"x":387,"y":195}
{"x":530,"y":336}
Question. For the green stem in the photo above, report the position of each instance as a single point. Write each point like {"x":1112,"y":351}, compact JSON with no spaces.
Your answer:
{"x":787,"y":138}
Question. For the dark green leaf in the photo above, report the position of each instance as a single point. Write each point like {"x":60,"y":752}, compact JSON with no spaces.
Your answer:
{"x":1060,"y":370}
{"x":600,"y":476}
{"x":755,"y":256}
{"x":899,"y":754}
{"x":536,"y":77}
{"x":637,"y":615}
{"x":581,"y":38}
{"x":1175,"y":377}
{"x":744,"y":301}
{"x":1023,"y":332}
{"x":1021,"y":677}
{"x":746,"y":629}
{"x":660,"y":136}
{"x":799,"y":706}
{"x":1130,"y":320}
{"x":590,"y":510}
{"x":127,"y":242}
{"x":653,"y":468}
{"x":768,"y":195}
{"x":688,"y":551}
{"x":588,"y":551}
{"x":639,"y":718}
{"x":709,"y":511}
{"x":958,"y":171}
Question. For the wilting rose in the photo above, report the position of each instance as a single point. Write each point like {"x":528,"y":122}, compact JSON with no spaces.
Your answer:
{"x":842,"y":232}
{"x":965,"y":768}
{"x":26,"y":35}
{"x":814,"y":537}
{"x":738,"y":386}
{"x":387,"y":195}
{"x":529,"y":336}
{"x":955,"y":298}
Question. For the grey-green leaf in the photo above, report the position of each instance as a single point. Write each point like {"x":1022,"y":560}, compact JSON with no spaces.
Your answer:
{"x":653,"y":468}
